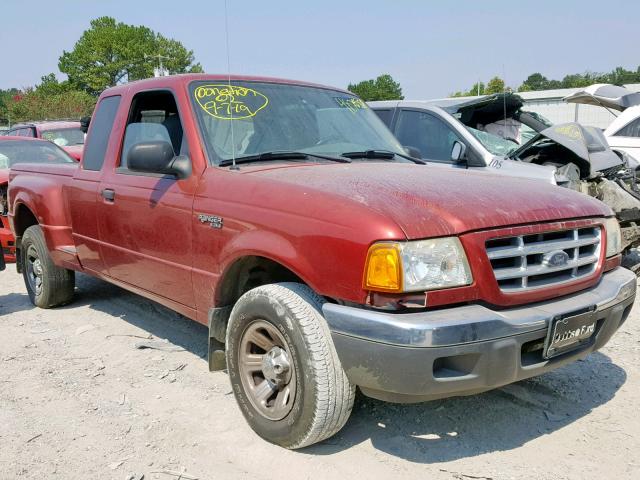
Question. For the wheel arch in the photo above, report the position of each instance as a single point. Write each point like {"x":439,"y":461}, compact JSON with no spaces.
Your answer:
{"x":23,"y":218}
{"x":243,"y":273}
{"x":251,"y":270}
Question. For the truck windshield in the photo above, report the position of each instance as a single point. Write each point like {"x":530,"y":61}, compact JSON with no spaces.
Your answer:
{"x":30,"y":151}
{"x":272,"y":117}
{"x":64,"y":137}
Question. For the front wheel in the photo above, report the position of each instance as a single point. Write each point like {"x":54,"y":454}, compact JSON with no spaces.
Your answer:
{"x":284,"y":370}
{"x":47,"y":285}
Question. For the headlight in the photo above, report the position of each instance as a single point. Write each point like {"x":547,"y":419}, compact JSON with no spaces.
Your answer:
{"x":614,"y":236}
{"x":417,"y":266}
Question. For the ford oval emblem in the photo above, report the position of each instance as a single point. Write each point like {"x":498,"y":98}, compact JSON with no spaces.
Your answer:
{"x":557,"y":258}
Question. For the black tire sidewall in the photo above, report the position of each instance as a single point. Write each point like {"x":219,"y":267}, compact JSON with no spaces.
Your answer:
{"x":30,"y":238}
{"x":296,"y":424}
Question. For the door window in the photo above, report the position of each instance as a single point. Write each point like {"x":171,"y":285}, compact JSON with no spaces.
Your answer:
{"x":154,"y":116}
{"x":386,"y":115}
{"x":433,"y":137}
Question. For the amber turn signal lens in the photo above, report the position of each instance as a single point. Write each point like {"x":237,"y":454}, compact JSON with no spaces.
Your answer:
{"x":383,"y":271}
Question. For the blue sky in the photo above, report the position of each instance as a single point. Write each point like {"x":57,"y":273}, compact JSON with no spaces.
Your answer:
{"x":431,"y":47}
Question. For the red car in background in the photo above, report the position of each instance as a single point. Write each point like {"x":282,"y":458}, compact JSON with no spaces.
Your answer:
{"x":66,"y":134}
{"x":17,"y":150}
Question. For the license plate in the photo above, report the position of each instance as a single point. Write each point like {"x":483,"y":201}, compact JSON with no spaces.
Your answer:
{"x":568,"y":333}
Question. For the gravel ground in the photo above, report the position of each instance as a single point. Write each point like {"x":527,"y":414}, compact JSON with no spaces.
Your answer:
{"x":79,"y":400}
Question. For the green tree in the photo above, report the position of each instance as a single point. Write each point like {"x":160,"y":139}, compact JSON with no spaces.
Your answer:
{"x":477,"y":88}
{"x":49,"y":85}
{"x":112,"y":52}
{"x":382,"y":88}
{"x":6,"y":97}
{"x":495,"y":85}
{"x":535,"y":81}
{"x":49,"y":100}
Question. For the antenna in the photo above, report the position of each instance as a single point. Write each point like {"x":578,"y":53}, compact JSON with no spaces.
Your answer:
{"x":226,"y":34}
{"x":504,"y":96}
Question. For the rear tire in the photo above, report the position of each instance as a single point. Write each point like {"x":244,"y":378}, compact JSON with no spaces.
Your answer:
{"x":292,"y":389}
{"x":47,"y":285}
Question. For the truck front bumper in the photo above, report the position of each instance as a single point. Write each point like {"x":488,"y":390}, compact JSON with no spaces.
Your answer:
{"x":414,"y":357}
{"x":7,"y":241}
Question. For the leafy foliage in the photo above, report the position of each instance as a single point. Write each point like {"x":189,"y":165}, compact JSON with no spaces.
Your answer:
{"x":617,"y":76}
{"x":112,"y":52}
{"x":477,"y":88}
{"x":537,"y":81}
{"x":495,"y":85}
{"x":382,"y":88}
{"x":48,"y":100}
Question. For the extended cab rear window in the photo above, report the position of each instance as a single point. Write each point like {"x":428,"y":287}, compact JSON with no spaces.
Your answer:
{"x":101,"y":126}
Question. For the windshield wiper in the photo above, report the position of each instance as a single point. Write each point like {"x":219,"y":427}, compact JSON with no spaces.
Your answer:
{"x":281,"y":155}
{"x":380,"y":155}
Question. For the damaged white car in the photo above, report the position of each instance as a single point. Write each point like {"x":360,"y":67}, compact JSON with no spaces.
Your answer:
{"x":623,"y":134}
{"x":493,"y":133}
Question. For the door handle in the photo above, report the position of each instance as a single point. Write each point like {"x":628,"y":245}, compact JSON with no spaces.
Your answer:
{"x":108,"y":194}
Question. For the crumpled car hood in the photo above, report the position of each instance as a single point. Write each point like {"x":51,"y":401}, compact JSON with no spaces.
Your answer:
{"x":430,"y":201}
{"x":588,"y":143}
{"x":4,"y":176}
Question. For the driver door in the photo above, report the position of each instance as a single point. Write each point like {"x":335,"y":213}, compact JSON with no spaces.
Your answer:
{"x":429,"y":134}
{"x":145,"y":219}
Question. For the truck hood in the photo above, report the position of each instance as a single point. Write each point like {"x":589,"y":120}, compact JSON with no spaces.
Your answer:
{"x":428,"y":201}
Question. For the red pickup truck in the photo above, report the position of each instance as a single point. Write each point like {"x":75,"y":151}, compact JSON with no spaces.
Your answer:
{"x":66,"y":134}
{"x":288,"y":219}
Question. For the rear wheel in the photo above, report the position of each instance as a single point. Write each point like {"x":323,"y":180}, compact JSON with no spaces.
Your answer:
{"x":284,"y":370}
{"x":47,"y":285}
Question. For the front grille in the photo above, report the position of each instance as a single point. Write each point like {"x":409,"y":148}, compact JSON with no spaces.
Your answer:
{"x":527,"y":262}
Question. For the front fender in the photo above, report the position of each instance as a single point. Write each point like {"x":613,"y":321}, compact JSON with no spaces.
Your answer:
{"x":269,"y":245}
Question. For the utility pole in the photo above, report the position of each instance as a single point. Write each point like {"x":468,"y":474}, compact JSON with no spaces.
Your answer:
{"x":160,"y":70}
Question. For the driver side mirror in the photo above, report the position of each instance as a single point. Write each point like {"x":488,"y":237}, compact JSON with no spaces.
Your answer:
{"x":158,"y":157}
{"x":84,"y":124}
{"x":458,"y":152}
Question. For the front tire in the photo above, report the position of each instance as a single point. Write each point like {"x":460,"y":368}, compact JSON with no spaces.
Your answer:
{"x":284,"y":370}
{"x":47,"y":285}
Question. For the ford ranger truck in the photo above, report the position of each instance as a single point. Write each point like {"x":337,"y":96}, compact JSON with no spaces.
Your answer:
{"x":287,"y":218}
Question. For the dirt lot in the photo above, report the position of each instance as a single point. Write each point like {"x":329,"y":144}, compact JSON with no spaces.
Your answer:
{"x":78,"y":400}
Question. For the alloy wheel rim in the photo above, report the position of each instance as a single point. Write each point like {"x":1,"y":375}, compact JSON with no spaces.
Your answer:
{"x":34,"y":270}
{"x":267,"y":370}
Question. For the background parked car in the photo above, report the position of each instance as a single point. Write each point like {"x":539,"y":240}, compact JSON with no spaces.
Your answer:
{"x":16,"y":150}
{"x":65,"y":134}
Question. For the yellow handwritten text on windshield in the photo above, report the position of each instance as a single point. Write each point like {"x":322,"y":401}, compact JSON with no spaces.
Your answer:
{"x":351,"y":103}
{"x":230,"y":102}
